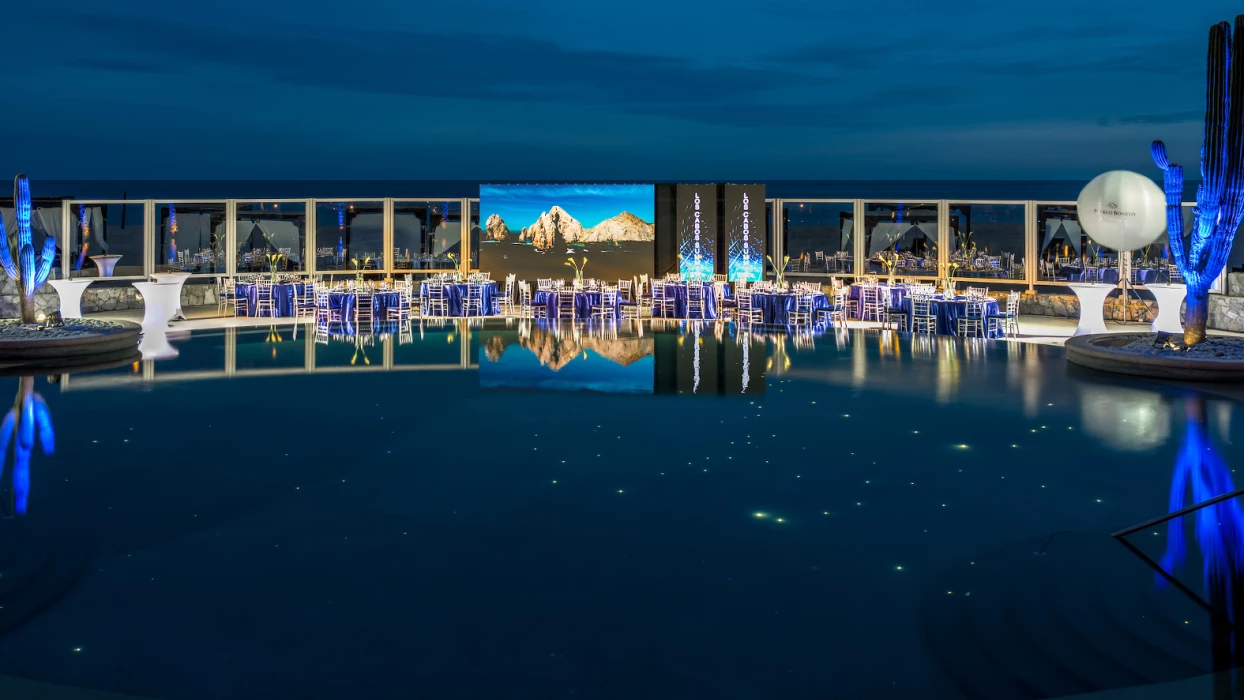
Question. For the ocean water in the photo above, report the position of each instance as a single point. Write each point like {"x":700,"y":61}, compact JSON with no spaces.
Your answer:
{"x":911,"y":190}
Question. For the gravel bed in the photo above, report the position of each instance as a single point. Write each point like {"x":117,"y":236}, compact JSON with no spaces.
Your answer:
{"x":12,"y":329}
{"x":1214,"y":348}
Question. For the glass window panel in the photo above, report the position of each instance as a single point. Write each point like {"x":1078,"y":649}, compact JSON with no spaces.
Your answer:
{"x":819,"y":237}
{"x":45,"y":221}
{"x":1067,"y":254}
{"x":106,"y":235}
{"x":475,"y":234}
{"x":346,"y":231}
{"x":189,"y":237}
{"x":988,"y":240}
{"x":909,"y":229}
{"x":266,"y":228}
{"x":426,"y":234}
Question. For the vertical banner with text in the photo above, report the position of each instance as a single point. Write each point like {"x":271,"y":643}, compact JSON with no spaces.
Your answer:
{"x":745,"y":232}
{"x":697,"y":231}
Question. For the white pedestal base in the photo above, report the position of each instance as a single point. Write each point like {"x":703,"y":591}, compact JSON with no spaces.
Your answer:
{"x":1092,"y":304}
{"x":180,"y":278}
{"x":1170,"y":299}
{"x":158,"y":301}
{"x":70,"y":293}
{"x":105,"y":263}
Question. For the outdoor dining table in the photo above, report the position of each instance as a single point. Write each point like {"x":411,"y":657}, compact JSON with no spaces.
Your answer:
{"x":678,"y":292}
{"x":1074,"y":273}
{"x":382,"y":301}
{"x":775,"y":306}
{"x":898,"y":292}
{"x":949,"y":311}
{"x":455,"y":293}
{"x":584,"y":300}
{"x":282,"y":297}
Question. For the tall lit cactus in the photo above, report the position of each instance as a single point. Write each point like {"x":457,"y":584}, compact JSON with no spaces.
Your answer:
{"x":1220,"y":198}
{"x":18,"y":257}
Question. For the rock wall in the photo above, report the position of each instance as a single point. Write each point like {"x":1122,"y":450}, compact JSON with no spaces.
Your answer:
{"x":1068,"y":306}
{"x":98,"y":298}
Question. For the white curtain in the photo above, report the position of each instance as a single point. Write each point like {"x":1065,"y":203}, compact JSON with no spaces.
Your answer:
{"x":848,"y":227}
{"x":279,"y":235}
{"x":1068,"y":228}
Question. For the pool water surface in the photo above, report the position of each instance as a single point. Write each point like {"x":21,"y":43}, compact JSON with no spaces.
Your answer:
{"x":518,"y":510}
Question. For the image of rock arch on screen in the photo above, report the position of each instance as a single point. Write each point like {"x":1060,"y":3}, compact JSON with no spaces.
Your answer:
{"x":531,"y":230}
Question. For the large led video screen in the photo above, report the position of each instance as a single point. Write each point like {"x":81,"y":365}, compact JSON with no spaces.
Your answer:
{"x":746,"y":232}
{"x":532,"y":230}
{"x":697,"y":231}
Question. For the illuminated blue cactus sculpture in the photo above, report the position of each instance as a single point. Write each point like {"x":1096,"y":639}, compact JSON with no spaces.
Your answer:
{"x":18,"y":257}
{"x":1220,"y":198}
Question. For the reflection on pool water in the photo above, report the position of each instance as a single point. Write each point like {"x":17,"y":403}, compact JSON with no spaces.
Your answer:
{"x":525,"y":509}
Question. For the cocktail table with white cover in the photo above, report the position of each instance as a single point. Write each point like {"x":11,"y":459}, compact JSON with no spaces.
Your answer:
{"x":105,"y":263}
{"x":1092,"y":304}
{"x":70,"y":293}
{"x":180,"y":278}
{"x":158,"y":300}
{"x":1170,"y":301}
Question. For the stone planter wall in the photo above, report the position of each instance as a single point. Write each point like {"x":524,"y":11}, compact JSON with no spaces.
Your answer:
{"x":98,"y":298}
{"x":1068,"y":306}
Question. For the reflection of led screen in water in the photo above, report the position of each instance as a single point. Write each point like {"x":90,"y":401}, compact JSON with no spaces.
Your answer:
{"x":541,"y":358}
{"x":531,"y":230}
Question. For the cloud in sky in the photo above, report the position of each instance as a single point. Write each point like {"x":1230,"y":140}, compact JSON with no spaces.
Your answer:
{"x":660,"y":90}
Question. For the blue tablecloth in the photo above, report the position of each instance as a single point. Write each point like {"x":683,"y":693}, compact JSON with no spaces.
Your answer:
{"x":1152,"y":276}
{"x":455,"y":293}
{"x":346,"y":301}
{"x":1106,"y":275}
{"x":949,"y":311}
{"x":897,"y":294}
{"x":282,"y":297}
{"x":774,"y":307}
{"x":678,"y":292}
{"x":583,"y":302}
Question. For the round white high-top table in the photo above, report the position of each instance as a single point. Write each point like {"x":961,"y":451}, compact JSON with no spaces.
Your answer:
{"x":1092,"y":307}
{"x":105,"y":263}
{"x":180,"y":278}
{"x":1170,"y":300}
{"x":70,"y":293}
{"x":159,"y":299}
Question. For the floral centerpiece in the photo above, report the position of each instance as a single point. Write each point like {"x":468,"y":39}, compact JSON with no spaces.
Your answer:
{"x":948,"y":272}
{"x":578,"y":271}
{"x":780,"y":270}
{"x":889,"y":261}
{"x":358,"y":269}
{"x":274,"y":260}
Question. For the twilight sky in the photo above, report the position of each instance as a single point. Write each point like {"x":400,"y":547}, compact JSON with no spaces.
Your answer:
{"x":497,"y":90}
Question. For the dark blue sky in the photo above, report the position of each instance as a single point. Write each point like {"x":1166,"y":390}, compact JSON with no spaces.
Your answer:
{"x":644,"y":89}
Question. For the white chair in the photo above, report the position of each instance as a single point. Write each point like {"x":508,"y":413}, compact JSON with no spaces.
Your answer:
{"x":695,"y":300}
{"x":872,"y":308}
{"x":437,"y":304}
{"x":745,"y":313}
{"x":473,"y":302}
{"x":364,"y":305}
{"x":607,"y":309}
{"x":661,"y":301}
{"x":972,"y":322}
{"x":401,"y":312}
{"x":263,"y":299}
{"x":565,"y":304}
{"x":1008,"y":320}
{"x":801,"y":315}
{"x":923,"y":320}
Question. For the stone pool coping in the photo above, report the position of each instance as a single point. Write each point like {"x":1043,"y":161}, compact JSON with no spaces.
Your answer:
{"x":1095,"y":352}
{"x":79,"y":339}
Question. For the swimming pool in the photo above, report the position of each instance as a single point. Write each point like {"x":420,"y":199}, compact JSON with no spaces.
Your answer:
{"x":511,"y":509}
